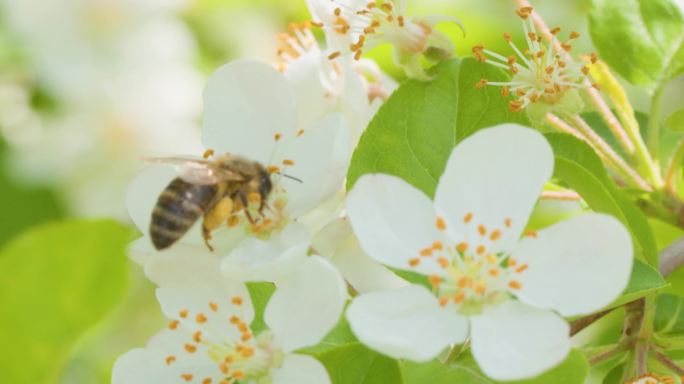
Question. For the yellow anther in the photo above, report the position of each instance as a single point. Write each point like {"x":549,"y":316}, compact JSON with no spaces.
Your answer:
{"x":208,"y":153}
{"x":468,"y":217}
{"x":170,"y":359}
{"x":197,"y":336}
{"x":174,"y":324}
{"x":480,"y":288}
{"x":507,"y":36}
{"x":437,"y":245}
{"x":414,"y":262}
{"x":574,"y":35}
{"x":508,"y":222}
{"x":278,"y":136}
{"x":213,"y":306}
{"x":234,"y":320}
{"x":246,"y":337}
{"x":494,"y":272}
{"x":481,"y":84}
{"x":464,"y":282}
{"x":183,"y":313}
{"x":207,"y":380}
{"x":201,"y":318}
{"x":495,"y":235}
{"x":532,"y":234}
{"x":482,"y":230}
{"x":443,"y":262}
{"x":462,"y":247}
{"x":187,"y":377}
{"x":238,"y":375}
{"x":190,"y":348}
{"x":514,"y":284}
{"x":459,"y":297}
{"x":435,"y":280}
{"x":480,"y":249}
{"x":237,"y":300}
{"x":440,"y":224}
{"x":300,"y":132}
{"x":492,"y":259}
{"x":555,"y":31}
{"x":426,"y":252}
{"x":521,"y":268}
{"x":334,"y":55}
{"x":288,"y":162}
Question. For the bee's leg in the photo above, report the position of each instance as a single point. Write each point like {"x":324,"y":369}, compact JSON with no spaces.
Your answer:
{"x":245,"y":206}
{"x":206,"y":235}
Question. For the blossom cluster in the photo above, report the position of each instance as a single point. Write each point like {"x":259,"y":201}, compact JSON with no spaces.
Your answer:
{"x":493,"y":285}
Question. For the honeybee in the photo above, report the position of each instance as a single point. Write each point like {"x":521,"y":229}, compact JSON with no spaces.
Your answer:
{"x":214,"y":189}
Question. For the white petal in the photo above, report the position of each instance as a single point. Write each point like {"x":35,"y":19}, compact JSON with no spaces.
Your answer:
{"x":267,"y":260}
{"x":337,"y":243}
{"x":495,"y":174}
{"x":514,"y":341}
{"x":321,"y":157}
{"x":143,"y":192}
{"x":406,"y":323}
{"x":304,"y":74}
{"x":307,"y":304}
{"x":393,"y":221}
{"x":576,"y":266}
{"x":246,"y":104}
{"x":300,"y":369}
{"x":148,"y":365}
{"x":192,"y":282}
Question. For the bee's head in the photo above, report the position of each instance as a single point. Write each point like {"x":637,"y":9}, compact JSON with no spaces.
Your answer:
{"x":265,"y":184}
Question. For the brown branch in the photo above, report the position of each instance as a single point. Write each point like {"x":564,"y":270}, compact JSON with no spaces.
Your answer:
{"x":579,"y":324}
{"x":668,"y":363}
{"x":671,"y":257}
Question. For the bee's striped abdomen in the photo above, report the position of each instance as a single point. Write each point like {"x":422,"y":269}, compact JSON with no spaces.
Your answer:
{"x":178,"y":208}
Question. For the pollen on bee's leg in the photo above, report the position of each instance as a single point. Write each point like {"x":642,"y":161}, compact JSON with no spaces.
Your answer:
{"x":208,"y":153}
{"x":233,"y":221}
{"x":254,"y":197}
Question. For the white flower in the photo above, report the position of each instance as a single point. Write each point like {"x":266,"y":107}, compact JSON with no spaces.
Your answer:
{"x":251,"y":111}
{"x":540,"y":73}
{"x":354,"y":26}
{"x":468,"y":243}
{"x":209,"y":338}
{"x":355,"y":88}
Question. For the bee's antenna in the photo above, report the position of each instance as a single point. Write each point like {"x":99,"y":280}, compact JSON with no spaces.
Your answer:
{"x":292,"y":177}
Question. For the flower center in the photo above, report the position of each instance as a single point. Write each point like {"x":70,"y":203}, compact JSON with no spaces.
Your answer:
{"x":539,"y":73}
{"x":471,"y":275}
{"x":373,"y":24}
{"x":246,"y":358}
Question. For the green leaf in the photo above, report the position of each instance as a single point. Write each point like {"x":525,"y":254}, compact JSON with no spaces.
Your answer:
{"x":580,"y":168}
{"x":642,"y":40}
{"x":434,"y":372}
{"x":573,"y":370}
{"x":669,"y":317}
{"x":56,"y":282}
{"x":413,"y":133}
{"x":354,"y":363}
{"x":676,"y":121}
{"x":643,"y":280}
{"x":260,"y":293}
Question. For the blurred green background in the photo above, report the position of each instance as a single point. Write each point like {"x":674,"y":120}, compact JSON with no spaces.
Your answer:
{"x":87,"y":88}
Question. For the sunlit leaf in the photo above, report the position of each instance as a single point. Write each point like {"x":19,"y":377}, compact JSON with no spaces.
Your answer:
{"x":56,"y":282}
{"x":642,"y":40}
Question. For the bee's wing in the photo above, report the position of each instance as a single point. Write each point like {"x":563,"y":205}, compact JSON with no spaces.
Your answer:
{"x":198,"y":171}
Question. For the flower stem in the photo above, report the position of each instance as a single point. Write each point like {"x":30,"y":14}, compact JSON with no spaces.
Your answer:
{"x":603,"y":148}
{"x":673,"y":170}
{"x":663,"y":358}
{"x":654,"y":122}
{"x":672,"y":257}
{"x":612,"y":352}
{"x":581,"y":323}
